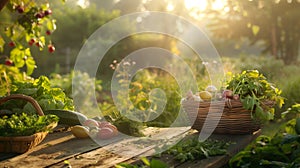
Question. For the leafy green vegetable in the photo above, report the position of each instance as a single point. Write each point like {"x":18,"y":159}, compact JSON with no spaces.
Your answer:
{"x":154,"y":163}
{"x":193,"y":149}
{"x":8,"y":74}
{"x":281,"y":150}
{"x":190,"y":149}
{"x":25,"y":124}
{"x":253,"y":89}
{"x":40,"y":89}
{"x":295,"y":109}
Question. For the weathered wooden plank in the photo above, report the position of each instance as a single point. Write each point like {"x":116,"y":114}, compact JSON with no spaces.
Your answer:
{"x":55,"y":148}
{"x":121,"y":151}
{"x":61,"y":146}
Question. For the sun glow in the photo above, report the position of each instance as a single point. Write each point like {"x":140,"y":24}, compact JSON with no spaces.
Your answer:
{"x":202,"y":5}
{"x":170,"y":7}
{"x":195,"y":4}
{"x":83,"y":3}
{"x":218,"y":5}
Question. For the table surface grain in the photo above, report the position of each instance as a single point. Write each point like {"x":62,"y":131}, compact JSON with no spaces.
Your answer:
{"x":62,"y":149}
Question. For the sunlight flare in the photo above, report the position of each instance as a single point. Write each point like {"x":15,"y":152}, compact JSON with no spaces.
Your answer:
{"x":195,"y":4}
{"x":219,"y":4}
{"x":203,"y":4}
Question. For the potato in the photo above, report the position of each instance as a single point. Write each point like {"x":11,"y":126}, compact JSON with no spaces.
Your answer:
{"x":80,"y":131}
{"x":205,"y":95}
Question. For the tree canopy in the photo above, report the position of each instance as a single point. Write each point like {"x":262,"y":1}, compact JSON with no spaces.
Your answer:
{"x":274,"y":22}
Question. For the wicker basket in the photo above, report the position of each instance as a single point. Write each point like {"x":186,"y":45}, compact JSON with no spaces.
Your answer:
{"x":22,"y":144}
{"x":234,"y":118}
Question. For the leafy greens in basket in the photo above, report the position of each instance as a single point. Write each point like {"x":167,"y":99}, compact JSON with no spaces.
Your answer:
{"x":25,"y":124}
{"x":40,"y":89}
{"x":253,"y":89}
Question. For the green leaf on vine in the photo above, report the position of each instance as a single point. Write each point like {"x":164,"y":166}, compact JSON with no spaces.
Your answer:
{"x":51,"y":25}
{"x":2,"y":42}
{"x":17,"y":55}
{"x":30,"y":64}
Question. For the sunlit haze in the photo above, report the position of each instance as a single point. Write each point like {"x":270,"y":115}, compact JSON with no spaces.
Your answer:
{"x":202,"y":4}
{"x":196,"y":4}
{"x":198,"y":7}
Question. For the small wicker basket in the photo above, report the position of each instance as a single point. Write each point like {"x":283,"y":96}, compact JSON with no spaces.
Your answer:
{"x":22,"y":144}
{"x":235,"y":119}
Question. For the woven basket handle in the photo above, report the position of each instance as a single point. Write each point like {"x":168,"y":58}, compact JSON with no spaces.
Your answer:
{"x":24,"y":97}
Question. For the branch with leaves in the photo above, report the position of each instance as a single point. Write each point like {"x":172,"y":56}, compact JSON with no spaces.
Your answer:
{"x":30,"y":25}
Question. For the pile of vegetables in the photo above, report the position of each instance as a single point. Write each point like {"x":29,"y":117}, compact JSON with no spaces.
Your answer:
{"x":251,"y":88}
{"x":25,"y":124}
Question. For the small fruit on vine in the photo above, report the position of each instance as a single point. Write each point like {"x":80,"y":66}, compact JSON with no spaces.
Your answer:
{"x":31,"y":41}
{"x":39,"y":15}
{"x":39,"y":44}
{"x":48,"y":32}
{"x":12,"y":44}
{"x":47,"y":12}
{"x":20,"y":9}
{"x":51,"y":48}
{"x":8,"y":62}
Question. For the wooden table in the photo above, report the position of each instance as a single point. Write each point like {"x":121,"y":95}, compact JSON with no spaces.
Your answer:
{"x":62,"y":149}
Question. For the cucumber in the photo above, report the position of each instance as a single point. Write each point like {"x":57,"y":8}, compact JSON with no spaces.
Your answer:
{"x":67,"y":117}
{"x":297,"y":126}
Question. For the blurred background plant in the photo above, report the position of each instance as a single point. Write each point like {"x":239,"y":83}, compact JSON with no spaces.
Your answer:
{"x":82,"y":86}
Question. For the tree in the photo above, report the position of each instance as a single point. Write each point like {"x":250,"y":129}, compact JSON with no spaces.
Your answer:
{"x":76,"y":24}
{"x":27,"y":24}
{"x":273,"y":22}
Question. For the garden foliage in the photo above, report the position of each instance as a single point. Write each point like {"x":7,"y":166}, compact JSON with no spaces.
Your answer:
{"x":280,"y":150}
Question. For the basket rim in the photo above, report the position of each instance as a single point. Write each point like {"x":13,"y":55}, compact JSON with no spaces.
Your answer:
{"x":34,"y":103}
{"x":226,"y":103}
{"x":28,"y":137}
